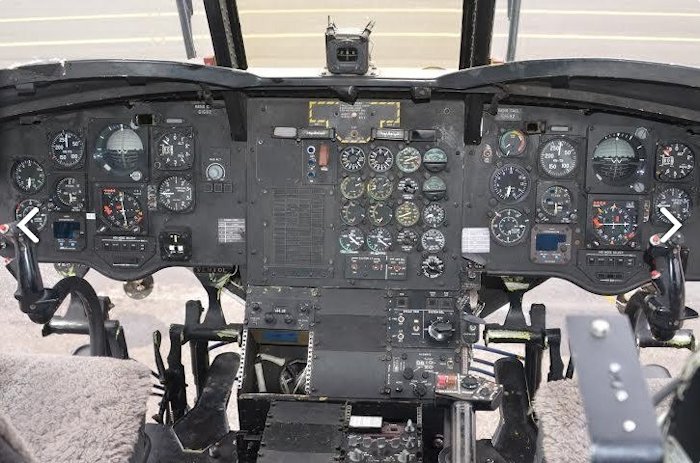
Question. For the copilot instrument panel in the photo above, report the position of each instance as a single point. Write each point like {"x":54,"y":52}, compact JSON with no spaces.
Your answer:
{"x":381,"y":193}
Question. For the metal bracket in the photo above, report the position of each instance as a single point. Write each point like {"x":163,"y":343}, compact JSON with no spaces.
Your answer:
{"x":621,"y":420}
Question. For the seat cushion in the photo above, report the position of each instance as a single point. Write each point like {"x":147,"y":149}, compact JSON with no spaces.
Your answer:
{"x":562,"y":421}
{"x":12,"y":446}
{"x":75,"y":409}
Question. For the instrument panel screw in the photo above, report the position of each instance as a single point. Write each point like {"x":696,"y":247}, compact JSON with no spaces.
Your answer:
{"x":629,"y":425}
{"x":600,"y":328}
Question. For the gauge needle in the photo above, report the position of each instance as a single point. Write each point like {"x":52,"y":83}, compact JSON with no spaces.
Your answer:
{"x":382,"y":242}
{"x":121,"y":198}
{"x":354,"y":240}
{"x":509,"y":190}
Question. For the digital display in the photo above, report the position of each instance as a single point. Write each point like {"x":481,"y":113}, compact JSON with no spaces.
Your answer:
{"x":66,"y":230}
{"x":549,"y":241}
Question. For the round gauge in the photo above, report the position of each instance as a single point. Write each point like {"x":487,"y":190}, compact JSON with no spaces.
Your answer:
{"x":351,"y":239}
{"x":433,"y":240}
{"x":676,"y":201}
{"x":614,"y":222}
{"x":510,"y":183}
{"x":557,"y":202}
{"x":121,"y":210}
{"x":67,"y":148}
{"x":380,"y":214}
{"x":674,"y":161}
{"x":509,"y":226}
{"x":352,"y":187}
{"x":352,"y":158}
{"x":70,"y":192}
{"x":407,"y":239}
{"x":512,"y":143}
{"x":617,"y":158}
{"x":408,"y":160}
{"x":558,"y":157}
{"x":434,"y":215}
{"x":352,"y":213}
{"x":28,"y":175}
{"x":434,"y":188}
{"x":176,"y":149}
{"x":38,"y":221}
{"x":381,"y":159}
{"x":407,"y":214}
{"x":215,"y":172}
{"x":432,"y":266}
{"x":379,"y":240}
{"x":408,"y":186}
{"x":176,"y":194}
{"x":435,"y":159}
{"x":119,"y":149}
{"x":380,"y":188}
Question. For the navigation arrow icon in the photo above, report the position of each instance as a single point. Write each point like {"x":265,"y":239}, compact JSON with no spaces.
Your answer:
{"x":676,"y":224}
{"x":22,"y":225}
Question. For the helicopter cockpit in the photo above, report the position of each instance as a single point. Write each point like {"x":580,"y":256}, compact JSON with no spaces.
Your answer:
{"x":370,"y":227}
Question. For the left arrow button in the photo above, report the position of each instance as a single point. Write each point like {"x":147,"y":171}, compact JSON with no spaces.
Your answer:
{"x":22,"y":225}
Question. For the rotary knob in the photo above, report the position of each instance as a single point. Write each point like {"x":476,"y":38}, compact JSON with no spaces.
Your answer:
{"x":441,"y":330}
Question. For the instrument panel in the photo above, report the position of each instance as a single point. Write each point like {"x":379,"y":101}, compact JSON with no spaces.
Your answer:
{"x":380,"y":193}
{"x":126,"y":190}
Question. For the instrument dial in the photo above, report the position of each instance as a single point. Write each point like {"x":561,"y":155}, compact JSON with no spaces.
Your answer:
{"x":618,"y":158}
{"x":352,"y":213}
{"x":557,"y":202}
{"x":28,"y":175}
{"x":379,"y":240}
{"x":351,"y":239}
{"x":70,"y":192}
{"x":512,"y":143}
{"x":352,"y":187}
{"x":558,"y":157}
{"x":121,"y":210}
{"x":38,"y":221}
{"x":176,"y":194}
{"x":176,"y":149}
{"x":433,"y":240}
{"x":407,"y":214}
{"x":434,"y":215}
{"x":408,"y":160}
{"x":380,"y":188}
{"x":432,"y":267}
{"x":435,"y":160}
{"x":434,"y":188}
{"x":408,"y":186}
{"x":509,"y":226}
{"x":352,"y":158}
{"x":380,"y":214}
{"x":510,"y":183}
{"x":407,"y":239}
{"x":381,"y":159}
{"x":614,"y":222}
{"x":677,"y":201}
{"x":67,"y":149}
{"x":119,"y":150}
{"x":674,"y":161}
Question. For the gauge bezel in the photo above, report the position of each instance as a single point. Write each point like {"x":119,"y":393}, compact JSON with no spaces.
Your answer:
{"x":637,"y":183}
{"x":374,"y":180}
{"x":689,"y":177}
{"x":592,"y":237}
{"x":53,"y":135}
{"x":433,"y":231}
{"x":190,"y":206}
{"x":545,"y":217}
{"x":656,"y":214}
{"x":521,"y":239}
{"x":386,"y":166}
{"x":159,"y":160}
{"x":577,"y":156}
{"x":415,"y":208}
{"x":347,"y":230}
{"x":503,"y":167}
{"x":348,"y":179}
{"x":430,"y":223}
{"x":399,"y":162}
{"x":373,"y":232}
{"x":349,"y":203}
{"x":139,"y":192}
{"x":58,"y":203}
{"x":519,"y":153}
{"x":99,"y":134}
{"x":43,"y":212}
{"x":13,"y":171}
{"x":362,"y":158}
{"x":386,"y":207}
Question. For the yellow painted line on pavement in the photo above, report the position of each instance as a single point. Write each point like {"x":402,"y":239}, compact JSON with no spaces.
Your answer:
{"x":302,"y":35}
{"x":363,"y":11}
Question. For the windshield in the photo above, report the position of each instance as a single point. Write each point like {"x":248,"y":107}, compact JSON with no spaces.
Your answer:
{"x":408,"y":33}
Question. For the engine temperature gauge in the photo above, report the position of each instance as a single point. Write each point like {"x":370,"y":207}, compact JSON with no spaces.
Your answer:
{"x":352,"y":158}
{"x":380,"y":188}
{"x":352,"y":213}
{"x":512,"y":143}
{"x":379,"y":240}
{"x":380,"y":214}
{"x":352,"y":187}
{"x":351,"y":239}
